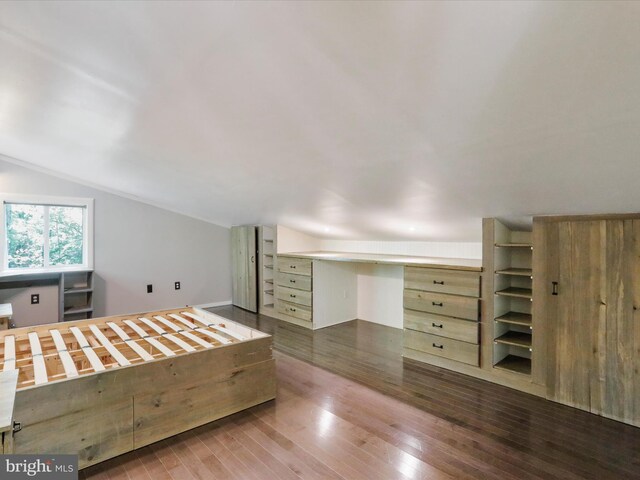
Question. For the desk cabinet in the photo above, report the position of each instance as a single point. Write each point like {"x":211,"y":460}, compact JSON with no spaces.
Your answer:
{"x":294,"y":292}
{"x":441,"y":310}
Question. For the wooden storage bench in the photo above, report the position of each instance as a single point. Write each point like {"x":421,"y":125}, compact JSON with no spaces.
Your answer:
{"x":103,"y":387}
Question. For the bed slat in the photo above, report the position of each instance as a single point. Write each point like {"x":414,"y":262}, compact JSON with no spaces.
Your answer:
{"x":67,"y":362}
{"x":213,"y":325}
{"x":129,"y":341}
{"x":160,"y":331}
{"x":152,"y":341}
{"x":113,"y":351}
{"x":39,"y":368}
{"x":9,"y":353}
{"x":95,"y":362}
{"x":181,"y":331}
{"x":204,"y":331}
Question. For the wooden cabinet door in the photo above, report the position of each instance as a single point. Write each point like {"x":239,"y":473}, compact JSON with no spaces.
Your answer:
{"x":243,"y":268}
{"x":591,"y":325}
{"x":615,"y":389}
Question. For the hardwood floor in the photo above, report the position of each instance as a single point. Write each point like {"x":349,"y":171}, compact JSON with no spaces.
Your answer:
{"x":349,"y":407}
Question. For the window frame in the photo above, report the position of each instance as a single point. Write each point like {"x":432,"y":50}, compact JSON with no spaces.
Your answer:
{"x":48,"y":201}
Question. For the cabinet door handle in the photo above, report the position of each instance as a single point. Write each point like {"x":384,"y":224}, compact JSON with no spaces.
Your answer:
{"x":554,"y":288}
{"x":435,"y":345}
{"x":436,"y":282}
{"x":292,"y":296}
{"x":292,"y":281}
{"x":437,"y":304}
{"x":436,"y":325}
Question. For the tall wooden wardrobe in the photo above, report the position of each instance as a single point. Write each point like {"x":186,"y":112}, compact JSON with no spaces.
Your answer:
{"x":586,"y":284}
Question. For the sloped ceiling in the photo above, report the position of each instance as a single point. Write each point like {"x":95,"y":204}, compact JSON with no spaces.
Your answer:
{"x":382,"y":120}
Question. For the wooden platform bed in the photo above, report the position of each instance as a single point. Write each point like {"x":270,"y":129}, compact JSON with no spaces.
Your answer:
{"x":103,"y":387}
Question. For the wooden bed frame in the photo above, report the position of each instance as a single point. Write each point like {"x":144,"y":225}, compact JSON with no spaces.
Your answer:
{"x":106,"y":386}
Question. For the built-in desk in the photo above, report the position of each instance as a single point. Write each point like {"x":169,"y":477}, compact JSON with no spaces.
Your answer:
{"x":318,"y":289}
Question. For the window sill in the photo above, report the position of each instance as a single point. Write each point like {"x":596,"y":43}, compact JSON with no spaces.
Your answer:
{"x":31,"y":272}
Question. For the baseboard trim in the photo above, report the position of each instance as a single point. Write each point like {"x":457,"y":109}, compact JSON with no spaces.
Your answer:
{"x":214,"y":304}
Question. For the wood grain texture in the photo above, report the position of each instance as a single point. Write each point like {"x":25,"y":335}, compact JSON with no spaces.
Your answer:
{"x":442,"y":347}
{"x":431,"y":424}
{"x":454,"y":328}
{"x":301,"y":282}
{"x":591,"y":325}
{"x":442,"y":304}
{"x":442,"y":281}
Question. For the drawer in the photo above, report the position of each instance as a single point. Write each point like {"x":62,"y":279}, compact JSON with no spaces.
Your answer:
{"x":442,"y":304}
{"x":300,"y":282}
{"x":293,"y":310}
{"x":443,"y":347}
{"x":442,"y":281}
{"x":299,"y":266}
{"x":463,"y":330}
{"x":292,"y":295}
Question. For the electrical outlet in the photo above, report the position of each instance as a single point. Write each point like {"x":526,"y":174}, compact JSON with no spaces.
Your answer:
{"x":149,"y":288}
{"x":35,"y":298}
{"x":177,"y":285}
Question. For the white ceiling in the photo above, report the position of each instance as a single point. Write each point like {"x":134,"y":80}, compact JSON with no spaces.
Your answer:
{"x":351,"y":120}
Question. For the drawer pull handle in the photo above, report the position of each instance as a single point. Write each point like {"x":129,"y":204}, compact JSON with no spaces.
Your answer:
{"x":438,"y":346}
{"x":292,"y":266}
{"x":292,"y":281}
{"x":437,"y":304}
{"x":436,"y":282}
{"x":436,"y":325}
{"x":292,"y":309}
{"x":292,"y":295}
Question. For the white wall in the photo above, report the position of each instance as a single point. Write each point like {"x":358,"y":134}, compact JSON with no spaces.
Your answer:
{"x":335,"y":292}
{"x":136,"y":244}
{"x":290,"y":240}
{"x":380,"y":294}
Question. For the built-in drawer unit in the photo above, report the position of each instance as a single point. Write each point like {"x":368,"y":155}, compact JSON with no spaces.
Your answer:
{"x":442,"y":304}
{"x":298,"y":266}
{"x":442,"y":347}
{"x":293,"y":290}
{"x":301,"y":297}
{"x":295,"y":310}
{"x":442,"y":281}
{"x":300,"y":282}
{"x":441,"y":313}
{"x":442,"y":326}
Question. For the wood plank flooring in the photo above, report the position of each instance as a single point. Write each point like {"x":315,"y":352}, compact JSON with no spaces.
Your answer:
{"x":349,"y":407}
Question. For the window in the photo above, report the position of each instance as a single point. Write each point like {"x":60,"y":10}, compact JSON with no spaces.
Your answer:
{"x":46,"y":234}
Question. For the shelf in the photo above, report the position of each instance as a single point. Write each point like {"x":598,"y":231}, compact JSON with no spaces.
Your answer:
{"x":268,"y":254}
{"x":270,"y":267}
{"x":78,"y":290}
{"x":521,"y":272}
{"x":515,"y":245}
{"x":516,"y":292}
{"x":74,"y":310}
{"x":270,"y":240}
{"x":269,"y":281}
{"x":269,"y":292}
{"x":517,"y":339}
{"x":515,"y":318}
{"x":516,"y":364}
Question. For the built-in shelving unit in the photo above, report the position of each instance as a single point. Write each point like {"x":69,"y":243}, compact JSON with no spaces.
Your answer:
{"x":266,"y":262}
{"x":76,"y":295}
{"x":513,"y":295}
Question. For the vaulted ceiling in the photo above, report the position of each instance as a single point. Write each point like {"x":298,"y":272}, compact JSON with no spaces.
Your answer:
{"x":343,"y":119}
